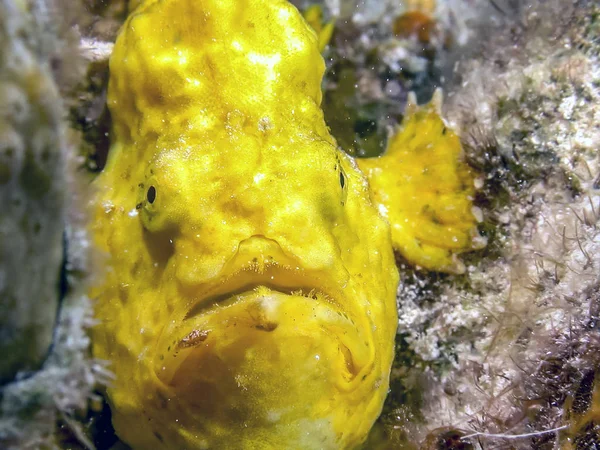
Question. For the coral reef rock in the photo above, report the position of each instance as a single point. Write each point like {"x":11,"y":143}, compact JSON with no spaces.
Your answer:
{"x":32,"y":192}
{"x":46,"y":374}
{"x":501,"y":357}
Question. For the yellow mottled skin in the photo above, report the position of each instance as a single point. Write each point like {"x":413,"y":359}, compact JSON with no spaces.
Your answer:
{"x":249,"y":295}
{"x":425,"y":190}
{"x":249,"y":300}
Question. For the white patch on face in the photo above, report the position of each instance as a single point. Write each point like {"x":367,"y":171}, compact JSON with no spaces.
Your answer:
{"x":382,"y":209}
{"x":273,"y":416}
{"x":182,"y":58}
{"x":269,"y":305}
{"x":237,"y":46}
{"x":269,"y":62}
{"x":317,"y":434}
{"x":284,"y":14}
{"x":193,"y":81}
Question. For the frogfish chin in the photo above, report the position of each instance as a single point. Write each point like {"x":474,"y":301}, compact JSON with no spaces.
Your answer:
{"x":266,"y":360}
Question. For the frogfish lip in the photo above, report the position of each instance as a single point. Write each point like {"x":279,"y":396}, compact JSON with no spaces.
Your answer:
{"x":265,"y":307}
{"x":264,"y":336}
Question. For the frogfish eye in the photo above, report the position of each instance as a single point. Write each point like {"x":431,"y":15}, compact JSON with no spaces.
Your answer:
{"x":151,"y":194}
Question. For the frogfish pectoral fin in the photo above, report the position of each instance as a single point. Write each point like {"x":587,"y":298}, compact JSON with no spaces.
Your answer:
{"x":426,"y":190}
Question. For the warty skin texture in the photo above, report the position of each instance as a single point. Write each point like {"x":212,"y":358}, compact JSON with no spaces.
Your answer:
{"x":425,"y":190}
{"x":249,"y":294}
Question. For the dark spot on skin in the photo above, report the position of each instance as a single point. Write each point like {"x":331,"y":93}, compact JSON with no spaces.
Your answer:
{"x":135,"y":268}
{"x":123,"y":294}
{"x":267,"y":326}
{"x":162,"y":400}
{"x":151,"y":194}
{"x":193,"y":339}
{"x":444,"y":131}
{"x":342,"y":180}
{"x":158,"y":436}
{"x":138,"y":206}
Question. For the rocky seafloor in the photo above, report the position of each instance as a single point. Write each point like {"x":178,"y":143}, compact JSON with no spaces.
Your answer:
{"x":503,"y":356}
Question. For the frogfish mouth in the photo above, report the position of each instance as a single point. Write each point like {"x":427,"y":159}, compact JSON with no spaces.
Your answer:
{"x":253,"y":345}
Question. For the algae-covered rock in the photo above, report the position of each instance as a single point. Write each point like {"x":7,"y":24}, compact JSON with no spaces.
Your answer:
{"x":32,"y":186}
{"x":47,"y":376}
{"x":505,"y":353}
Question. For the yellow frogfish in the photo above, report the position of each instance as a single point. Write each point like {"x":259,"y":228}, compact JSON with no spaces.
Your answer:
{"x":249,"y":295}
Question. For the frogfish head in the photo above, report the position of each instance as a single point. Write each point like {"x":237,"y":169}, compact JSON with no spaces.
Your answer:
{"x":248,"y":299}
